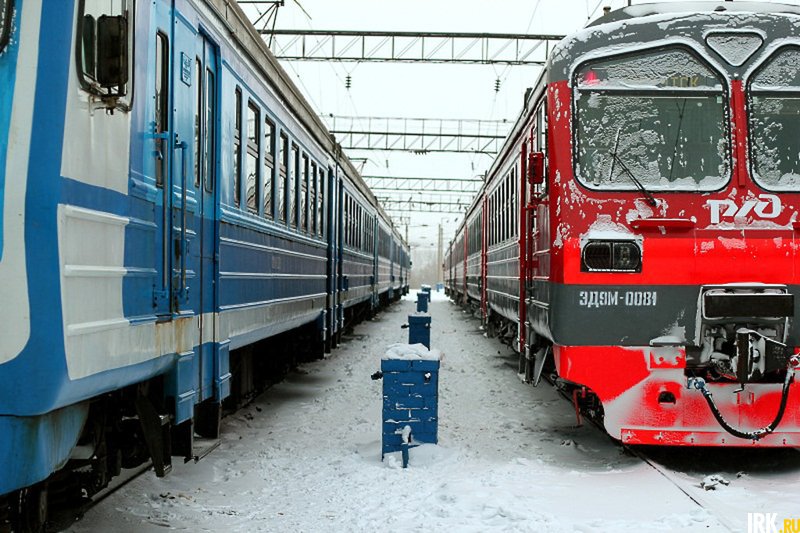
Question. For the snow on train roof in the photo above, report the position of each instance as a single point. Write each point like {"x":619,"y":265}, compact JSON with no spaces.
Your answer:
{"x":649,"y":25}
{"x":644,"y":10}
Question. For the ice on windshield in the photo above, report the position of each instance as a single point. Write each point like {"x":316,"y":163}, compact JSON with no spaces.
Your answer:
{"x":664,"y":69}
{"x":775,"y":122}
{"x":658,"y":118}
{"x":735,"y":48}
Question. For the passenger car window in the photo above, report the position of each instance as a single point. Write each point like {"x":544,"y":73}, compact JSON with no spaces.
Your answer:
{"x":253,"y":181}
{"x":237,"y":148}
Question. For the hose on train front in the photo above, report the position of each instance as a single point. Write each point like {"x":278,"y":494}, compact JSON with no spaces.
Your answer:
{"x":700,"y":384}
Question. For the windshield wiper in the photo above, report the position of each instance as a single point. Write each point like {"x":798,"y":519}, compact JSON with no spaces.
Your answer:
{"x":681,"y":109}
{"x":616,"y":159}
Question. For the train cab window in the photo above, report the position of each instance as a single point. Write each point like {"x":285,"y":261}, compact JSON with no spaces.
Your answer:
{"x":6,"y":11}
{"x":775,"y":122}
{"x":237,"y":148}
{"x":656,"y":117}
{"x":269,"y":165}
{"x":294,"y":176}
{"x":103,"y":50}
{"x":304,"y":195}
{"x":253,"y":183}
{"x":161,"y":108}
{"x":281,"y":183}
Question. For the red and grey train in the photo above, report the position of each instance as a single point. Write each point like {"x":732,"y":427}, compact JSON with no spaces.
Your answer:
{"x":638,"y":235}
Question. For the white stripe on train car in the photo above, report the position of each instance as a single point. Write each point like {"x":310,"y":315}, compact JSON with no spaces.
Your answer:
{"x":280,"y":314}
{"x":97,"y":335}
{"x":15,"y":313}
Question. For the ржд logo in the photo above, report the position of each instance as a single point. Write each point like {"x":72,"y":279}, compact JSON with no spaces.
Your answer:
{"x":767,"y":206}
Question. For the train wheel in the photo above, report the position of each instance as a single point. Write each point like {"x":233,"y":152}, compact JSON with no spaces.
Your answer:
{"x":29,"y":509}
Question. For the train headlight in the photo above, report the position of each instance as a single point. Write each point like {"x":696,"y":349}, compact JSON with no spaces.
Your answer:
{"x":611,"y":256}
{"x":627,"y":256}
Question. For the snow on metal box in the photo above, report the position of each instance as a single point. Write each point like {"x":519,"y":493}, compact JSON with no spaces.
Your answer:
{"x":410,"y":395}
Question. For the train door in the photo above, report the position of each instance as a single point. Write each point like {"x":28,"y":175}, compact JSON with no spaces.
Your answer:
{"x":340,"y":281}
{"x":484,"y":246}
{"x":331,"y":271}
{"x":375,"y":259}
{"x":204,"y":185}
{"x":161,"y":135}
{"x":194,"y":82}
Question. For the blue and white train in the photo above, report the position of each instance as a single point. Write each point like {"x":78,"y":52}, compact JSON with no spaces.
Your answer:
{"x":168,"y":201}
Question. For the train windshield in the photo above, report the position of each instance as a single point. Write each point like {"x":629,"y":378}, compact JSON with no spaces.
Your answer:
{"x":6,"y":7}
{"x":656,"y":118}
{"x":775,"y":122}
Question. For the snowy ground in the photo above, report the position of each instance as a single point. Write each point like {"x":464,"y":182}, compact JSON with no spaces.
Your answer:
{"x":306,"y":457}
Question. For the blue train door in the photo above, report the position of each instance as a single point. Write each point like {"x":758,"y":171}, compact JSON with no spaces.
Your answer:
{"x":206,"y":120}
{"x":339,"y":224}
{"x":194,"y":167}
{"x":162,"y":156}
{"x":333,"y":293}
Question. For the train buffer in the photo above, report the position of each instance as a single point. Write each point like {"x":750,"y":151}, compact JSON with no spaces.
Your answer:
{"x":410,"y":374}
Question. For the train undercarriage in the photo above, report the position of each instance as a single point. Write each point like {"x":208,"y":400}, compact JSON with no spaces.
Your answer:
{"x":132,"y":427}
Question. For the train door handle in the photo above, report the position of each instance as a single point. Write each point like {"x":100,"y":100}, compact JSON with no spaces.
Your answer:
{"x":182,"y":146}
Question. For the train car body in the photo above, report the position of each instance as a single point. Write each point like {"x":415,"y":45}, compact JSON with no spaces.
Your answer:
{"x":168,"y":200}
{"x":659,"y":207}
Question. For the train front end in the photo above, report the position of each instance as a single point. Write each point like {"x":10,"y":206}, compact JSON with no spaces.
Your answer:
{"x":674,"y":163}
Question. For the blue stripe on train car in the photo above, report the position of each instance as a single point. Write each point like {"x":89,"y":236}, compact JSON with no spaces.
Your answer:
{"x":32,"y":447}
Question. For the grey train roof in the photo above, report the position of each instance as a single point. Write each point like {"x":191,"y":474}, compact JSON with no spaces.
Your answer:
{"x":646,"y":24}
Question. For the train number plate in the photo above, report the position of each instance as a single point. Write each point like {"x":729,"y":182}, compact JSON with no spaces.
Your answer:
{"x":597,"y":299}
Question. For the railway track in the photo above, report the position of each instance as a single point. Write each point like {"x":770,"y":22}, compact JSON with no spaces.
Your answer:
{"x":63,"y":514}
{"x":687,"y":489}
{"x":751,"y":477}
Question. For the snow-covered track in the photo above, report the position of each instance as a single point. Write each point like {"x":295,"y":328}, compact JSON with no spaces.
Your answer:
{"x":65,"y":513}
{"x":691,"y":491}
